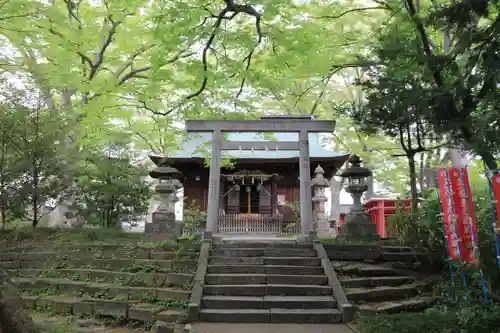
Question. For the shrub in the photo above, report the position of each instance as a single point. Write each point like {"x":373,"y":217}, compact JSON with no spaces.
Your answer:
{"x":440,"y":319}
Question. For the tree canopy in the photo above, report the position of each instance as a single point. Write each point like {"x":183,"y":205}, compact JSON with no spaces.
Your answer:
{"x":389,"y":72}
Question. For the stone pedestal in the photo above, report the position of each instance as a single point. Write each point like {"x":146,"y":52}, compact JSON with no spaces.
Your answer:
{"x":358,"y":225}
{"x":163,"y":227}
{"x":321,"y":227}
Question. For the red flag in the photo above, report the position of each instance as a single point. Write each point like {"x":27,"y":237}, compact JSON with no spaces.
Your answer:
{"x":446,"y":197}
{"x":464,"y":213}
{"x":495,"y":184}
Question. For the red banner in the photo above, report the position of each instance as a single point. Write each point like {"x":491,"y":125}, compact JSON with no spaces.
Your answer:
{"x":464,"y":213}
{"x":495,"y":184}
{"x":446,"y":197}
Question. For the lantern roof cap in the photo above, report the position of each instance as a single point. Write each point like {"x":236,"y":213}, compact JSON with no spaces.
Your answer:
{"x":165,"y":172}
{"x":355,"y":169}
{"x":319,"y":180}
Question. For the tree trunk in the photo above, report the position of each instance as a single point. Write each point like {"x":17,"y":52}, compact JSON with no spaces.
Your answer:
{"x":413,"y":184}
{"x":421,"y":172}
{"x":14,"y":318}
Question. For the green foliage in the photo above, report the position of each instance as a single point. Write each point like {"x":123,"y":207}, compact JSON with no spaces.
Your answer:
{"x":73,"y":236}
{"x":424,"y":230}
{"x":164,"y":244}
{"x":189,"y":244}
{"x":440,"y":319}
{"x":418,"y":91}
{"x":192,"y":215}
{"x":31,"y":168}
{"x":294,"y":206}
{"x":112,"y":187}
{"x":143,"y":66}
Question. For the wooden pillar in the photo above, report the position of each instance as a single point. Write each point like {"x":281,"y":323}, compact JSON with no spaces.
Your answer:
{"x":214,"y":182}
{"x":305,"y":183}
{"x":274,"y":196}
{"x":222,"y":191}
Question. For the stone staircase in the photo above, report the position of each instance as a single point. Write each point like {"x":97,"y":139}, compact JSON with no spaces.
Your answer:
{"x":266,"y":282}
{"x":383,"y":289}
{"x":127,"y":282}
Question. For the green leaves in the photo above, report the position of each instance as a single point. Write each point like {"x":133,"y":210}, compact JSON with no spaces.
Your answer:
{"x":112,"y":187}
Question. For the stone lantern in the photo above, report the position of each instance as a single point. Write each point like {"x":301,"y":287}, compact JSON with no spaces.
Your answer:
{"x":163,"y":226}
{"x":358,"y":224}
{"x":319,"y":183}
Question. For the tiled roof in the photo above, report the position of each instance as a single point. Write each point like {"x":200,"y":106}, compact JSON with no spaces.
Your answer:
{"x":199,"y":145}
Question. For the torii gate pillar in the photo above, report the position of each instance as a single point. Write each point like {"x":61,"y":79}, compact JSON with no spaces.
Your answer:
{"x":303,"y":125}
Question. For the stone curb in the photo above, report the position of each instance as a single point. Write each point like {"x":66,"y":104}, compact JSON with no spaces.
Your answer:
{"x":346,"y":308}
{"x":199,"y":282}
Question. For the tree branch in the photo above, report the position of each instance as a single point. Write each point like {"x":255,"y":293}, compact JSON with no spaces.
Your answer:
{"x":131,"y":59}
{"x":232,"y":9}
{"x":384,"y":6}
{"x":99,"y":58}
{"x":134,"y":72}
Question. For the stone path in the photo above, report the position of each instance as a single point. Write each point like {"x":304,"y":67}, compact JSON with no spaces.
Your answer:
{"x":269,"y":328}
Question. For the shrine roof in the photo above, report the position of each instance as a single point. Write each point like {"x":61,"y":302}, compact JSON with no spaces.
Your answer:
{"x":198,"y":145}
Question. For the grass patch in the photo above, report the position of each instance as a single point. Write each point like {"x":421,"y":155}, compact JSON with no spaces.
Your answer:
{"x":75,"y":236}
{"x":439,"y":319}
{"x":64,"y":324}
{"x":165,"y":244}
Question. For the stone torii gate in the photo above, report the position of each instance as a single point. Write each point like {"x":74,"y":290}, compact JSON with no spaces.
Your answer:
{"x":303,"y":125}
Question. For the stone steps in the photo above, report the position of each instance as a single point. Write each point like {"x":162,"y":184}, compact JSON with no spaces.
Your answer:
{"x":404,"y":257}
{"x":381,"y":289}
{"x":364,"y":270}
{"x":312,"y":316}
{"x":267,"y":289}
{"x":221,"y":279}
{"x":397,"y":249}
{"x":266,"y":283}
{"x":268,"y":302}
{"x":277,"y":261}
{"x":377,"y":281}
{"x":131,"y":265}
{"x":265,"y":269}
{"x":97,"y":275}
{"x":126,"y":281}
{"x":96,"y":247}
{"x":282,"y":244}
{"x":105,"y":290}
{"x":43,"y":256}
{"x":264,"y":252}
{"x":78,"y":306}
{"x":385,"y":293}
{"x":418,"y":303}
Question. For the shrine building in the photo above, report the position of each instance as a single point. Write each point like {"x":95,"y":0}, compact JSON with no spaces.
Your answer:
{"x":259,"y":187}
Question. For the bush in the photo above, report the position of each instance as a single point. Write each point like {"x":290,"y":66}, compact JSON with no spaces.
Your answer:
{"x":192,"y":216}
{"x":460,"y":311}
{"x":440,"y":319}
{"x":424,"y":230}
{"x":77,"y":236}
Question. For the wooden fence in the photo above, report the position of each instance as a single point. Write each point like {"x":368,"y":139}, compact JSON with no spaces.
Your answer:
{"x":248,"y":223}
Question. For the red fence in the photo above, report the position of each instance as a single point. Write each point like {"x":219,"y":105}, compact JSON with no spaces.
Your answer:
{"x":379,"y":210}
